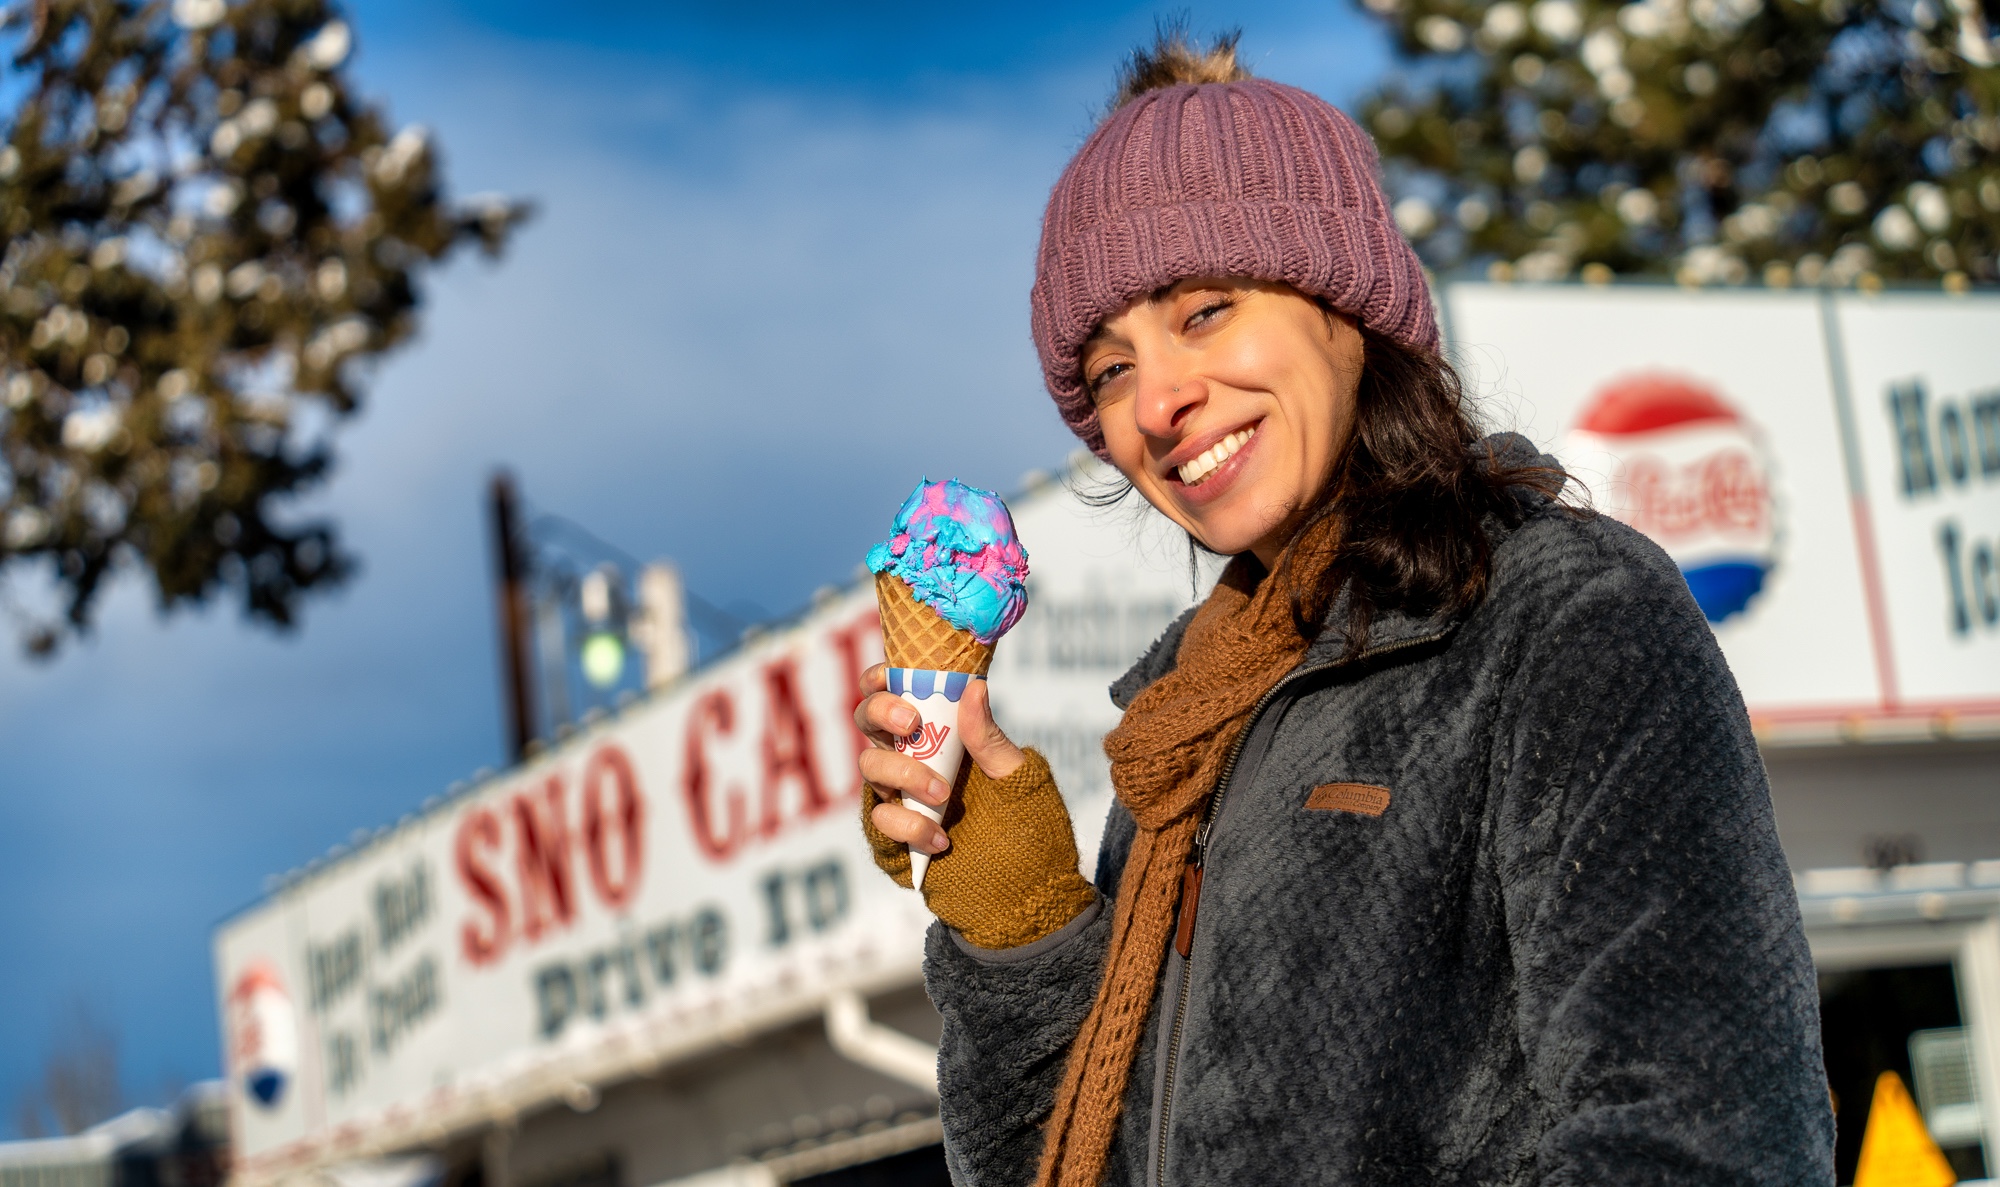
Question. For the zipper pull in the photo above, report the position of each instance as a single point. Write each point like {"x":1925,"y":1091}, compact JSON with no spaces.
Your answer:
{"x":1190,"y":897}
{"x":1191,"y":885}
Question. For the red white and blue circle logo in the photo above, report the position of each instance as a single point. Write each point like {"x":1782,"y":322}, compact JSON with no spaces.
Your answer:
{"x":1671,"y":457}
{"x":263,"y":1035}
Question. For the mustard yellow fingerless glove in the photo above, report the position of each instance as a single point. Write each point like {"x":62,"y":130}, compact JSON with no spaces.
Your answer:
{"x":1010,"y":876}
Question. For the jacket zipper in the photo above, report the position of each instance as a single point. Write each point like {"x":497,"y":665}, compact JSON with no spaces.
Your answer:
{"x":1191,"y":885}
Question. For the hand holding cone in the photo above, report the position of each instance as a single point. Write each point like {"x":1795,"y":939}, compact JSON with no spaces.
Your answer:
{"x":930,"y":663}
{"x":950,"y":579}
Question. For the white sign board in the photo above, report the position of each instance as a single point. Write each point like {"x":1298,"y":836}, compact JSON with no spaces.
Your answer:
{"x":1761,"y":438}
{"x":688,"y":871}
{"x":1925,"y":373}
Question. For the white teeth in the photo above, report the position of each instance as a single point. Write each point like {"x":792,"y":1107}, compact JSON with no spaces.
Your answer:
{"x":1204,"y":464}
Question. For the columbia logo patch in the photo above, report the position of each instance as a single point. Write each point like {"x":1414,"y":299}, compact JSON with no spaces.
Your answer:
{"x":1362,"y":799}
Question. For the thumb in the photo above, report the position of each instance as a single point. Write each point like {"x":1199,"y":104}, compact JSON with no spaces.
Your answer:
{"x":996,"y":755}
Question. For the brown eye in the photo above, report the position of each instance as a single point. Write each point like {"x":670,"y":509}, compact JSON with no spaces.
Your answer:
{"x":1208,"y":312}
{"x":1097,"y":382}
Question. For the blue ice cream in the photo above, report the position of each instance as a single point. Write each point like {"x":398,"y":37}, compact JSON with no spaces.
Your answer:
{"x":954,"y":546}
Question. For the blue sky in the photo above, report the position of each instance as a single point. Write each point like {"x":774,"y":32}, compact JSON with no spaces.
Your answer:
{"x":780,"y":268}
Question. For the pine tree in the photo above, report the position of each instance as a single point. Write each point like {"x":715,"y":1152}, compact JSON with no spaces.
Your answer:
{"x":1715,"y":141}
{"x":208,"y":233}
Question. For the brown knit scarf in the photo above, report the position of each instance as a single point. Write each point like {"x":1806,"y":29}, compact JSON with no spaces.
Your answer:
{"x":1166,"y":756}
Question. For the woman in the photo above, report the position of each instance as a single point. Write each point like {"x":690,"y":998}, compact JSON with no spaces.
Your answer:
{"x":1442,"y":851}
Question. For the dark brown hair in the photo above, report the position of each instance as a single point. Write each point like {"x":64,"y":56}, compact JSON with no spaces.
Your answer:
{"x":1415,"y":492}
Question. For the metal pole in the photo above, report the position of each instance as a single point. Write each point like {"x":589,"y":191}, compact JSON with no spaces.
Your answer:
{"x":552,"y":649}
{"x":512,"y":591}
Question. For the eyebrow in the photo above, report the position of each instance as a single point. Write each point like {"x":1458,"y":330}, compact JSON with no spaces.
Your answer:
{"x":1100,"y":333}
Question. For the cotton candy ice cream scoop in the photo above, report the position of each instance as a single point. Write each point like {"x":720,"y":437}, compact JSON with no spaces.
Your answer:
{"x":950,"y":580}
{"x":954,"y":546}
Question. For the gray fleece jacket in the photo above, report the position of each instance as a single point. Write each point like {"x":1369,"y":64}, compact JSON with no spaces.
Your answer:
{"x":1560,"y":947}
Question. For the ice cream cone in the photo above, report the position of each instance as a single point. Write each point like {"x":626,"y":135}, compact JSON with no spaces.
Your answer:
{"x":950,"y":579}
{"x":926,"y":653}
{"x":916,"y":636}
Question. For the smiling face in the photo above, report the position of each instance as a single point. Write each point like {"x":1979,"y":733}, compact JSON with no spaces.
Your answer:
{"x":1227,"y":402}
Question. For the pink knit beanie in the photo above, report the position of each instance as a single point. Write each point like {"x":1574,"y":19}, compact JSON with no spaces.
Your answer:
{"x":1248,"y":178}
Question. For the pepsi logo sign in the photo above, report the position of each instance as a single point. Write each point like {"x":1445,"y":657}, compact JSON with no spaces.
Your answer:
{"x":1672,"y":458}
{"x":263,"y":1035}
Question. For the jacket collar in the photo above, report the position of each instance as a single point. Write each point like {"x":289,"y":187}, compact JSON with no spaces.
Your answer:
{"x":1390,"y":628}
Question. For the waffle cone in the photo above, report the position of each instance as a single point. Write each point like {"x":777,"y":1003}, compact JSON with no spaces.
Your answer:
{"x":916,"y":636}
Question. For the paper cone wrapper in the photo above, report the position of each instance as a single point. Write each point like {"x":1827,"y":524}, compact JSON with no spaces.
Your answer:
{"x":936,"y":743}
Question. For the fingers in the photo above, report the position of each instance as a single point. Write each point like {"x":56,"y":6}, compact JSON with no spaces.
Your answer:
{"x":890,"y":773}
{"x":917,"y":831}
{"x":884,"y":717}
{"x":874,"y":680}
{"x":995,"y":753}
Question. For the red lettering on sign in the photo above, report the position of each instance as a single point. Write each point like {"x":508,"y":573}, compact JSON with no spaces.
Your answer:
{"x":788,"y":747}
{"x":624,"y":822}
{"x":854,"y":660}
{"x":541,"y":839}
{"x":480,"y":831}
{"x":1723,"y":492}
{"x":546,"y":896}
{"x":714,"y":713}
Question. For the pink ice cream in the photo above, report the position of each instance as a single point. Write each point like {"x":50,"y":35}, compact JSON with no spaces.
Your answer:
{"x":954,"y":545}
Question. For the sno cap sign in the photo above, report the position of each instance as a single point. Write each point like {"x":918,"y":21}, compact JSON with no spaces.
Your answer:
{"x":263,"y":1035}
{"x":1688,"y":470}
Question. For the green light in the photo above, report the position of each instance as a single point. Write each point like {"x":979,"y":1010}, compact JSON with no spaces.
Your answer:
{"x":603,"y":659}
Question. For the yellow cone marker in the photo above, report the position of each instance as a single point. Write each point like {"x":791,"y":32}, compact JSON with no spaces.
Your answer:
{"x":1896,"y":1148}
